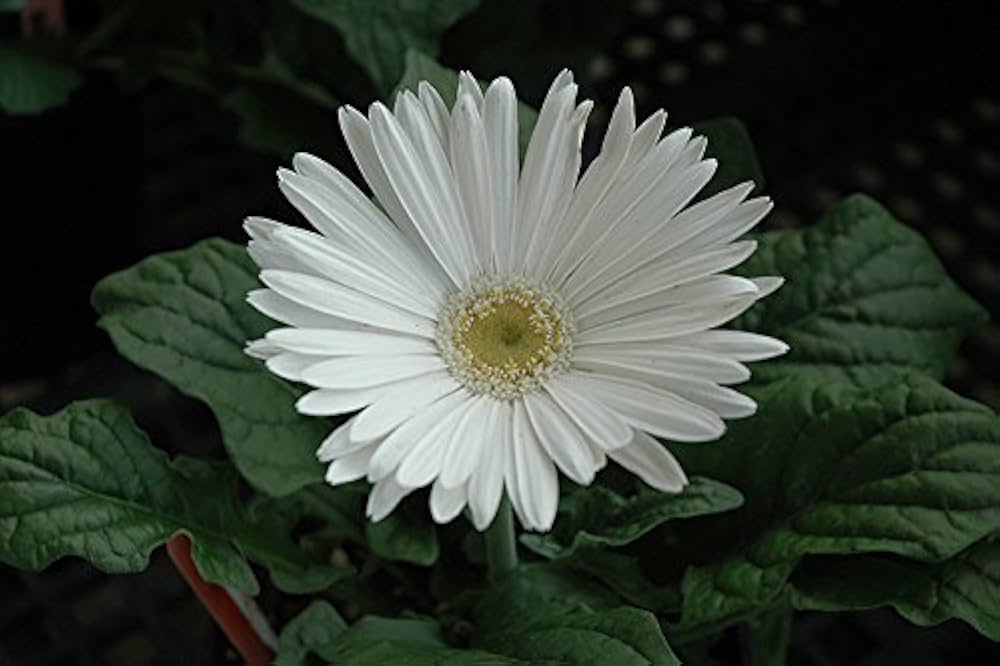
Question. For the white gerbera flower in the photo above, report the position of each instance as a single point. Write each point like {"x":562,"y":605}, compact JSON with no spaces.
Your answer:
{"x":496,"y":322}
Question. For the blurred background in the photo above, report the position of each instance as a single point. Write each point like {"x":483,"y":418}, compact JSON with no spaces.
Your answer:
{"x":148,"y":125}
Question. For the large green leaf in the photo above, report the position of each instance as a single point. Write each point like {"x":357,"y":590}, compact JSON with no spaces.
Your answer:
{"x":184,"y":316}
{"x":30,"y":83}
{"x":864,"y":296}
{"x":966,"y":587}
{"x":597,"y":516}
{"x":311,"y":631}
{"x":87,"y":482}
{"x":543,"y":614}
{"x":909,"y":468}
{"x":378,"y":34}
{"x":420,"y":67}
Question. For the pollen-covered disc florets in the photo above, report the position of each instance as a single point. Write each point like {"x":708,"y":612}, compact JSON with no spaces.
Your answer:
{"x":505,"y":336}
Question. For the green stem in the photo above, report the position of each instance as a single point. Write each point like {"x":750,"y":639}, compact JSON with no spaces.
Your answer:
{"x":767,"y":636}
{"x":501,"y":544}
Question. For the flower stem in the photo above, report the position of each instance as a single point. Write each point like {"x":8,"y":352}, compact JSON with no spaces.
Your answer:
{"x":501,"y":544}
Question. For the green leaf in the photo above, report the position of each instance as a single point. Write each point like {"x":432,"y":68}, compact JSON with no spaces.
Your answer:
{"x":597,"y":516}
{"x":865,"y":295}
{"x":183,"y":315}
{"x":30,"y":83}
{"x":312,"y":630}
{"x":420,"y":67}
{"x":544,"y":613}
{"x":966,"y":587}
{"x":729,"y":143}
{"x":909,"y":468}
{"x":11,"y":5}
{"x":87,"y":482}
{"x":378,"y":34}
{"x":280,"y":113}
{"x":405,"y":535}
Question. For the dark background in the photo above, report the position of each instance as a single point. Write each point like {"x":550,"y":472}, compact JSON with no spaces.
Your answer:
{"x":897,"y":99}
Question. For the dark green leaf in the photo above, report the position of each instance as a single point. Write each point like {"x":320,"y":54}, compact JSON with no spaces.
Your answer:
{"x":419,"y":68}
{"x":909,"y":468}
{"x":729,"y":143}
{"x":11,"y":5}
{"x":378,"y":34}
{"x":597,"y":517}
{"x":543,"y":613}
{"x":282,"y":114}
{"x":30,"y":83}
{"x":312,"y":630}
{"x":405,"y":535}
{"x":87,"y":482}
{"x":966,"y":587}
{"x":183,"y":315}
{"x":865,"y":295}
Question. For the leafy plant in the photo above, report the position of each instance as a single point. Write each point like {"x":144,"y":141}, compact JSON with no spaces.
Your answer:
{"x":861,"y":482}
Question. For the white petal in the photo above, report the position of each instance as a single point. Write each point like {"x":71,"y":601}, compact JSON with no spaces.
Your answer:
{"x":595,"y":183}
{"x":560,"y":438}
{"x":375,"y":277}
{"x":338,"y":443}
{"x":531,"y":482}
{"x":739,"y":345}
{"x":652,"y":409}
{"x":601,"y":425}
{"x":354,"y":372}
{"x":658,"y":277}
{"x":470,"y":160}
{"x":262,"y":349}
{"x":400,"y":402}
{"x":549,"y":173}
{"x":327,"y":402}
{"x":397,"y":445}
{"x":446,"y":503}
{"x":467,"y":85}
{"x":277,"y":307}
{"x":661,"y":359}
{"x":332,"y":342}
{"x":423,"y":462}
{"x":291,"y":366}
{"x":384,"y":497}
{"x":651,"y":462}
{"x":500,"y":122}
{"x":350,"y":467}
{"x":420,"y":176}
{"x":436,"y":110}
{"x":767,"y":285}
{"x":467,"y":444}
{"x":340,"y":301}
{"x":486,"y":482}
{"x":607,"y":262}
{"x":358,"y":134}
{"x":668,"y":322}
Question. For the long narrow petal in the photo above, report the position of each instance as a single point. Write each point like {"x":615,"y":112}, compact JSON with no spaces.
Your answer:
{"x":401,"y":401}
{"x":560,"y":438}
{"x":487,"y":481}
{"x":384,"y":497}
{"x":335,"y":342}
{"x":470,"y":160}
{"x":328,"y":402}
{"x":500,"y":122}
{"x":347,"y":372}
{"x":532,"y":482}
{"x":350,"y":467}
{"x":467,"y":445}
{"x":654,"y":410}
{"x":446,"y":503}
{"x":739,"y":345}
{"x":340,"y":301}
{"x":600,"y":424}
{"x":422,"y":464}
{"x":651,"y":462}
{"x":394,"y":448}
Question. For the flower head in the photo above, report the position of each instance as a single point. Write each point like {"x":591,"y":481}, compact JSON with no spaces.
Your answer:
{"x":494,"y":321}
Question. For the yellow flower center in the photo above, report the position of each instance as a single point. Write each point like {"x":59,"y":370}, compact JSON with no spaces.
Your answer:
{"x":504,"y":338}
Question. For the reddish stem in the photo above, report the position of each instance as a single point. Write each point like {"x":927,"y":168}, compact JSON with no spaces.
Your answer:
{"x":221,"y":606}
